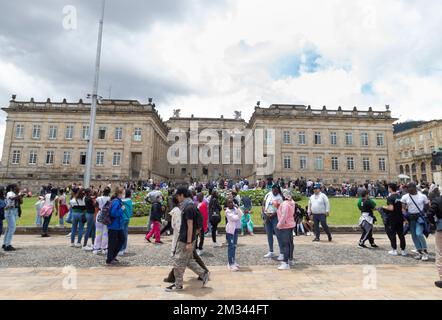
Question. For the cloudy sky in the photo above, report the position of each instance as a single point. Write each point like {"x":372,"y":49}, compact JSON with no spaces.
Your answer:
{"x":213,"y":57}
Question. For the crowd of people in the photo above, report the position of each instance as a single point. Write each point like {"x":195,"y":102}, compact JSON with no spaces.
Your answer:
{"x":100,"y":218}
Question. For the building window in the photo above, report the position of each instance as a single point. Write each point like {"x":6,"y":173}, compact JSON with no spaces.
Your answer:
{"x":172,"y":171}
{"x":349,"y":139}
{"x":318,"y":139}
{"x":302,"y":162}
{"x":116,"y":160}
{"x":350,"y":164}
{"x":380,"y":140}
{"x":333,"y":138}
{"x":52,"y":132}
{"x":69,"y":132}
{"x":301,"y":138}
{"x":364,"y":139}
{"x":33,"y":157}
{"x":118,"y":134}
{"x":319,"y":163}
{"x":137,"y":134}
{"x":16,"y":154}
{"x":335,"y":163}
{"x":287,"y":137}
{"x":382,"y":164}
{"x":19,"y":131}
{"x":102,"y":133}
{"x":36,"y":130}
{"x":83,"y":158}
{"x":85,"y":133}
{"x":66,"y":158}
{"x":100,"y":158}
{"x":50,"y":157}
{"x":238,"y":172}
{"x":183,"y":171}
{"x":366,"y":164}
{"x":287,"y":162}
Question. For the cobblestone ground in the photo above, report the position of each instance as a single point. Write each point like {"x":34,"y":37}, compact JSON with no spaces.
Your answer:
{"x":36,"y":252}
{"x":47,"y":268}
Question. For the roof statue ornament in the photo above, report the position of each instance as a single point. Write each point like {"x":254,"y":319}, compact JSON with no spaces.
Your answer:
{"x":176,"y":113}
{"x":238,"y":115}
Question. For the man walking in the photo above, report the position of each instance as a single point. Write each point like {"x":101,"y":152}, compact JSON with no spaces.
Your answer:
{"x":319,"y":207}
{"x":186,"y":242}
{"x":435,"y":217}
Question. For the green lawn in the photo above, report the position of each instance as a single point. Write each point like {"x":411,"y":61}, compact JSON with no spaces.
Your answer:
{"x":343,"y":212}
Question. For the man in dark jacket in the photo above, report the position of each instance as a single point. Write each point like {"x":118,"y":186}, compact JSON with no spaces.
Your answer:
{"x":184,"y":256}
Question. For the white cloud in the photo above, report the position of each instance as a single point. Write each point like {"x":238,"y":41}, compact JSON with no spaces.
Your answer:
{"x":227,"y":58}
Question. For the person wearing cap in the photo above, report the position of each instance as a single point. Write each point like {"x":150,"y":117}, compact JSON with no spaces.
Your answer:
{"x":286,"y":224}
{"x":319,"y":208}
{"x":269,"y":214}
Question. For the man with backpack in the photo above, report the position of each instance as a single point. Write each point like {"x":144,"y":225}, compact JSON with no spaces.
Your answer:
{"x":435,"y":217}
{"x":191,"y":222}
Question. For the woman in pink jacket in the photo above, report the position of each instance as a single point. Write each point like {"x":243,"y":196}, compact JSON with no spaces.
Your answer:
{"x":285,"y":226}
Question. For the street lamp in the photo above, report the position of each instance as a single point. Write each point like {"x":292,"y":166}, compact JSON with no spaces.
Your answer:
{"x":90,"y":147}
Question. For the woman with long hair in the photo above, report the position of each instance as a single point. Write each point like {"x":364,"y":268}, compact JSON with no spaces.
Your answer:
{"x":78,"y":216}
{"x":49,"y":207}
{"x":215,"y":216}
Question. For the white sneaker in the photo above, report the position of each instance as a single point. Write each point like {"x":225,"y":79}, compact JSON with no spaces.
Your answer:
{"x":219,"y":244}
{"x":291,"y":262}
{"x":69,"y":235}
{"x":104,"y":252}
{"x":418,"y":256}
{"x":414,"y":251}
{"x":232,"y":268}
{"x":199,"y":252}
{"x":284,"y":266}
{"x":236,"y":265}
{"x":425,"y":257}
{"x":269,"y":255}
{"x":392,"y":252}
{"x":281,"y":257}
{"x":72,"y":245}
{"x":404,"y":253}
{"x":78,"y":245}
{"x":95,"y":252}
{"x":87,"y":248}
{"x":121,"y":253}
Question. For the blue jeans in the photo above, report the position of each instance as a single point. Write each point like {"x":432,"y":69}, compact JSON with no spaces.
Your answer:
{"x":90,"y":230}
{"x":61,"y":221}
{"x":417,"y":234}
{"x":126,"y":234}
{"x":232,"y":241}
{"x":11,"y":216}
{"x":46,"y":222}
{"x":77,"y":224}
{"x":270,"y":227}
{"x":321,"y":219}
{"x":38,"y":219}
{"x":286,"y":238}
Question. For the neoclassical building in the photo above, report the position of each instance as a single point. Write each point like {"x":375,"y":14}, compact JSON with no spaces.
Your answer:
{"x":47,"y":142}
{"x":415,"y":143}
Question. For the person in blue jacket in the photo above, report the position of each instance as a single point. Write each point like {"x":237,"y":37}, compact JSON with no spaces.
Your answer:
{"x":115,"y":229}
{"x":2,"y":209}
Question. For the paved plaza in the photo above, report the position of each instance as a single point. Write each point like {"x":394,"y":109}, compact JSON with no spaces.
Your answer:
{"x":337,"y":270}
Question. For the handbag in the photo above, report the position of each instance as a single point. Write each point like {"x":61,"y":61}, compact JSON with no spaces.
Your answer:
{"x":69,"y":216}
{"x":422,"y":219}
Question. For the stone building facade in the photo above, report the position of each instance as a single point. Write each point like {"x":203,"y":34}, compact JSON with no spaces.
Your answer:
{"x":47,"y":142}
{"x":414,"y":147}
{"x":332,"y":145}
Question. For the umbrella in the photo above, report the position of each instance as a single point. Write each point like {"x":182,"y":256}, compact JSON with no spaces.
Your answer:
{"x":403,"y":176}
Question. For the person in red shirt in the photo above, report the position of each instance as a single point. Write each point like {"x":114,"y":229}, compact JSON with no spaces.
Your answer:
{"x":203,"y":208}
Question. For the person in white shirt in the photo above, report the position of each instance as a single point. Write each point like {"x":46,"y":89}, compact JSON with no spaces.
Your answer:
{"x":269,"y":214}
{"x":319,"y":207}
{"x":414,"y":204}
{"x":13,"y":200}
{"x":101,"y":232}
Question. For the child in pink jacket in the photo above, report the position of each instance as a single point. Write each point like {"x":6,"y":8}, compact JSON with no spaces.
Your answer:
{"x":285,"y":226}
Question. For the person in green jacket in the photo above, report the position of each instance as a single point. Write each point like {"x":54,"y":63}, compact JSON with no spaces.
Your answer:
{"x":127,"y":215}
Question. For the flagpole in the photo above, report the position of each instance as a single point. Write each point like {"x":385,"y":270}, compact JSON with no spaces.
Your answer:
{"x":90,"y":148}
